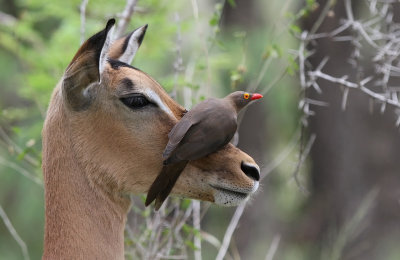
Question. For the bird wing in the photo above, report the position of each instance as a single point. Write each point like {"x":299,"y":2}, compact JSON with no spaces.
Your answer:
{"x":205,"y":137}
{"x":201,"y":142}
{"x":190,"y":119}
{"x":176,"y":135}
{"x":164,"y":183}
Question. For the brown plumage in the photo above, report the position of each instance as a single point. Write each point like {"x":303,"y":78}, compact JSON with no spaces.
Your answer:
{"x":205,"y":129}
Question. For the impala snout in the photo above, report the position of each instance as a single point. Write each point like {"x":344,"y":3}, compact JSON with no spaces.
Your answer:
{"x":234,"y":192}
{"x":227,"y":178}
{"x":233,"y":179}
{"x":227,"y":194}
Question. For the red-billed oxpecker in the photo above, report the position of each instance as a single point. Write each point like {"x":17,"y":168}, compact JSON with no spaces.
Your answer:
{"x":205,"y":129}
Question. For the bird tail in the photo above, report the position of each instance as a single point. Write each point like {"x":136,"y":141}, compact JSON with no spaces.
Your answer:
{"x":164,"y":183}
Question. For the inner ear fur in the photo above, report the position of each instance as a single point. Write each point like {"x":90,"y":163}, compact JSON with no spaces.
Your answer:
{"x":83,"y":70}
{"x":124,"y":49}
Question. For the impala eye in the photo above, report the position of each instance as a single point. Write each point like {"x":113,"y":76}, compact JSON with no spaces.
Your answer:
{"x":136,"y":101}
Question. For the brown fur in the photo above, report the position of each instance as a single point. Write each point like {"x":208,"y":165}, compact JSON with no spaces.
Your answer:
{"x":94,"y":157}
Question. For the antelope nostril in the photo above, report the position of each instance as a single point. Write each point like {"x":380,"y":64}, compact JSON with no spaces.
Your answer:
{"x":251,"y":171}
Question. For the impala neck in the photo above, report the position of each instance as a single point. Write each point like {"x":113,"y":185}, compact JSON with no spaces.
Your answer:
{"x":83,"y":219}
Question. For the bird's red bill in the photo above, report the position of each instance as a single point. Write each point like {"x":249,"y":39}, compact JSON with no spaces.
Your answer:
{"x":256,"y":96}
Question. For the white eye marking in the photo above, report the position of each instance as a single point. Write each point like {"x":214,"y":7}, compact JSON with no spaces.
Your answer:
{"x":156,"y":99}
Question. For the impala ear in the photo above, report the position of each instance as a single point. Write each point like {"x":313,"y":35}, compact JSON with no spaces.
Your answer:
{"x":86,"y":68}
{"x":124,"y":49}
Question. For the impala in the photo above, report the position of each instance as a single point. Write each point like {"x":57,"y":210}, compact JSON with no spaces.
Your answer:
{"x":103,"y":138}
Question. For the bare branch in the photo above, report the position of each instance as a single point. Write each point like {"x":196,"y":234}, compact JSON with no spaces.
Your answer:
{"x":274,"y":82}
{"x":352,"y":228}
{"x":322,"y":16}
{"x":344,"y":100}
{"x":303,"y":154}
{"x":229,"y":231}
{"x":14,"y":234}
{"x":302,"y":60}
{"x":211,"y":239}
{"x":14,"y":146}
{"x":21,"y":170}
{"x":349,"y":11}
{"x":125,"y":18}
{"x":178,"y":63}
{"x":281,"y":156}
{"x":196,"y":225}
{"x":82,"y":9}
{"x":7,"y":19}
{"x":273,"y":248}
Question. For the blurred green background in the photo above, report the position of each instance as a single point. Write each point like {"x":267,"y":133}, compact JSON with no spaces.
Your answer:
{"x":210,"y":48}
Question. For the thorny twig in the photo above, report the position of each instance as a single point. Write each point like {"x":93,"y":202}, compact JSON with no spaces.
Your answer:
{"x":379,"y":33}
{"x":385,"y":60}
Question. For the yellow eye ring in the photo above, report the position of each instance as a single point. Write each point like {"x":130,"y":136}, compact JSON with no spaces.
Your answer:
{"x":246,"y":95}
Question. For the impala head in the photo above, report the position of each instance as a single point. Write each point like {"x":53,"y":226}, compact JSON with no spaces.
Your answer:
{"x":118,"y":122}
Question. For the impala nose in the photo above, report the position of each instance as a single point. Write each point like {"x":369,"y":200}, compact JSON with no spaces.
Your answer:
{"x":251,"y":171}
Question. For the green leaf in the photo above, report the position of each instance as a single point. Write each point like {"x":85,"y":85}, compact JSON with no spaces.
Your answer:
{"x":186,"y":203}
{"x":16,"y":130}
{"x":310,"y":3}
{"x":166,"y":232}
{"x":214,"y":20}
{"x":295,"y":29}
{"x":292,"y":67}
{"x":190,"y":244}
{"x":232,"y":3}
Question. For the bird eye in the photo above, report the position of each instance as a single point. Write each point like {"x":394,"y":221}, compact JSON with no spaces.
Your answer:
{"x":246,"y":95}
{"x":136,"y":101}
